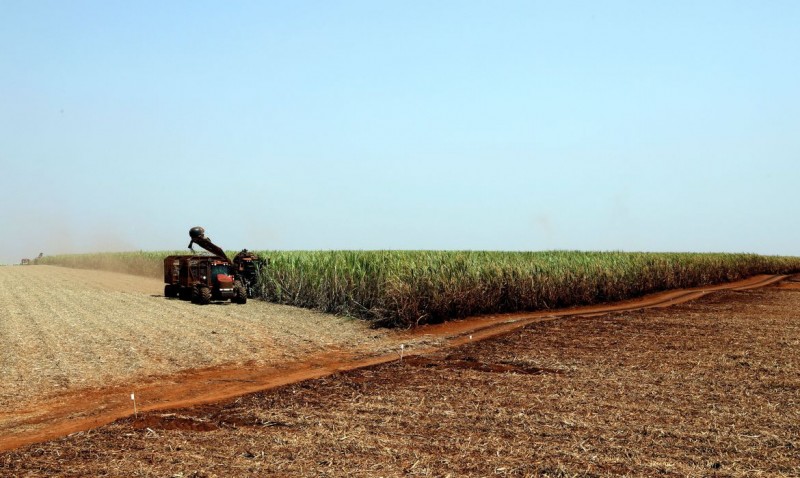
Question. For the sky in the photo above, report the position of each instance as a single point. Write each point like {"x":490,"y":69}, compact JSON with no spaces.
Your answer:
{"x":507,"y":125}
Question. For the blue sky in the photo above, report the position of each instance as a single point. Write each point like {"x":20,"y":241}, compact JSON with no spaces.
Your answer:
{"x":639,"y":126}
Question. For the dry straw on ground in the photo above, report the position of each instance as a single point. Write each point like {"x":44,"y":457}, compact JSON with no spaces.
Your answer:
{"x":703,"y":389}
{"x":65,"y":329}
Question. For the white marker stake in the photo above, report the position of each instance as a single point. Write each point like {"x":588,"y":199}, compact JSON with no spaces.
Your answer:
{"x":401,"y":351}
{"x":135,"y":414}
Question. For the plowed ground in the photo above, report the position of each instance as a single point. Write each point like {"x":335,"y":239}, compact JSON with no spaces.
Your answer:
{"x":706,"y":388}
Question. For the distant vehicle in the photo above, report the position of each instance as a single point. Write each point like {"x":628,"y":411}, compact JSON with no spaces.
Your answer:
{"x":27,"y":262}
{"x":202,"y":279}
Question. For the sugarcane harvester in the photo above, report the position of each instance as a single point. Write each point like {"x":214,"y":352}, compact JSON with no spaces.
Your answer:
{"x":249,"y":267}
{"x":202,"y":279}
{"x":247,"y":264}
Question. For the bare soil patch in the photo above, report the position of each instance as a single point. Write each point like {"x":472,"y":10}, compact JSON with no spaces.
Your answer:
{"x":707,"y":388}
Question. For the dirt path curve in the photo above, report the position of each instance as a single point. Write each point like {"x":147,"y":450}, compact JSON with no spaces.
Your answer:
{"x":85,"y":409}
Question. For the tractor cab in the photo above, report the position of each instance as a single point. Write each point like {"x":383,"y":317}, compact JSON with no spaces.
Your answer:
{"x":221,"y":276}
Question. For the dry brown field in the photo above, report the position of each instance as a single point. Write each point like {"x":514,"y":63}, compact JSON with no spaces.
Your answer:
{"x":68,"y":332}
{"x":705,"y":388}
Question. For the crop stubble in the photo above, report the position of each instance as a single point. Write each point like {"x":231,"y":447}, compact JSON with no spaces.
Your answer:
{"x":699,"y":389}
{"x":66,"y":329}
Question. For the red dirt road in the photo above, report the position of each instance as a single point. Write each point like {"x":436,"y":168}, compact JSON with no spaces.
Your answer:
{"x":83,"y":410}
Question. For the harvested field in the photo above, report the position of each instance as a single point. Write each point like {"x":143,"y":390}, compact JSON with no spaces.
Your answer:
{"x":707,"y":388}
{"x":66,"y":330}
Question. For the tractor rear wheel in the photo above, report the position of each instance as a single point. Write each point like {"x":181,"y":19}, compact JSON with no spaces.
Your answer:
{"x":201,"y":295}
{"x":204,"y":295}
{"x":170,"y":290}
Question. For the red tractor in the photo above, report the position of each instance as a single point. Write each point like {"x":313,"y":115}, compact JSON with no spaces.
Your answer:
{"x":202,"y":279}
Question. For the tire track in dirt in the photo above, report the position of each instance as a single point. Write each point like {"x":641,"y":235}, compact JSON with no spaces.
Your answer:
{"x":85,"y":409}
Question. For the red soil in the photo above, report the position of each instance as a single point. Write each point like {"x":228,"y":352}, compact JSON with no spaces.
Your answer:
{"x":83,"y":410}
